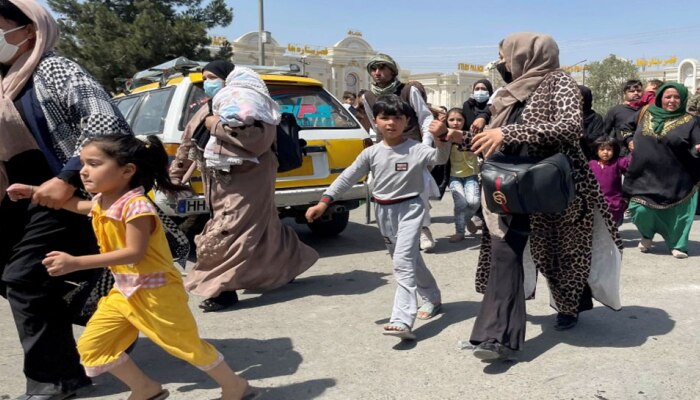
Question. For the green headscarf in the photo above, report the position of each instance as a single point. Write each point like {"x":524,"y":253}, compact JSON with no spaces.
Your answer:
{"x":659,"y":116}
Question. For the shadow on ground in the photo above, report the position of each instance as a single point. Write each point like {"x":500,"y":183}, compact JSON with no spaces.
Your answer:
{"x":252,"y":359}
{"x":450,"y":314}
{"x":356,"y":238}
{"x":601,"y":327}
{"x":630,"y":239}
{"x":355,"y":282}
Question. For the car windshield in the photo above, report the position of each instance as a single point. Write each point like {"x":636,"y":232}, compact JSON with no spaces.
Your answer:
{"x":312,"y":106}
{"x":146,"y":112}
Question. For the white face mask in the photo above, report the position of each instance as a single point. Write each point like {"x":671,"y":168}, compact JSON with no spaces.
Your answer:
{"x":7,"y":50}
{"x":481,"y":95}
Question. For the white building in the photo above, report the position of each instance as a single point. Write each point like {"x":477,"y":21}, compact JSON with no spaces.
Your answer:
{"x":342,"y":67}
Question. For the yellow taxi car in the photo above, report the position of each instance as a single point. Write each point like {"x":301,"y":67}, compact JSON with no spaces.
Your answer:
{"x":333,"y":136}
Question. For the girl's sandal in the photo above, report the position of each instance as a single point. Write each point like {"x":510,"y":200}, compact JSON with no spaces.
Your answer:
{"x":399,"y":330}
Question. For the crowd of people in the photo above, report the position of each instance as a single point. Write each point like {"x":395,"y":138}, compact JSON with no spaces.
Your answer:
{"x":67,"y":153}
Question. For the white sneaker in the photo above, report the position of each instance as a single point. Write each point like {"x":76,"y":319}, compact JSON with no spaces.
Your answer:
{"x":427,"y":243}
{"x":645,"y":244}
{"x":679,"y":254}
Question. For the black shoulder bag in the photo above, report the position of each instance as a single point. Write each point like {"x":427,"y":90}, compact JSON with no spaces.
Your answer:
{"x":516,"y":184}
{"x":520,"y":185}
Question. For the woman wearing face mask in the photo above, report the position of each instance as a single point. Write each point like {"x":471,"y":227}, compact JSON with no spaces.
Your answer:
{"x":475,"y":109}
{"x":538,"y":114}
{"x":49,"y":106}
{"x":244,"y":245}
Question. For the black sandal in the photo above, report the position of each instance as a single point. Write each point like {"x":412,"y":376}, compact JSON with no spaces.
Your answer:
{"x":222,"y":301}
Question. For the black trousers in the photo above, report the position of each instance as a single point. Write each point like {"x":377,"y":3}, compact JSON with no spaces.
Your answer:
{"x":44,"y":307}
{"x":501,"y":317}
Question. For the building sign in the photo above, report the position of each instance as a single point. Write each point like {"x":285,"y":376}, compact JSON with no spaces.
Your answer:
{"x":470,"y":67}
{"x":574,"y":68}
{"x":655,"y":62}
{"x":217,"y":40}
{"x":307,"y":50}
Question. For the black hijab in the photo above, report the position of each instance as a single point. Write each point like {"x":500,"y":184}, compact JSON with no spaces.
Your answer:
{"x":486,"y":83}
{"x":587,"y":100}
{"x":220,"y":68}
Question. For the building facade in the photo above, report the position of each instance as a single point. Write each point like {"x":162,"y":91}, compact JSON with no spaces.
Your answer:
{"x":342,"y":66}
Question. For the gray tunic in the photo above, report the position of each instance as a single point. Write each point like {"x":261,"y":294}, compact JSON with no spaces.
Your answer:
{"x":397,"y":171}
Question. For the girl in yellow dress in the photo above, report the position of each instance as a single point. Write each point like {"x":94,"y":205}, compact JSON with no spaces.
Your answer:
{"x":148,"y":294}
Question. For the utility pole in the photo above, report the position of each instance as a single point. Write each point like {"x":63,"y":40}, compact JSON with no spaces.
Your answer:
{"x":304,"y":63}
{"x":261,"y":33}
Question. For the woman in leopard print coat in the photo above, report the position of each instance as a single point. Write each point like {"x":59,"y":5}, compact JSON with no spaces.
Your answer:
{"x":538,"y":113}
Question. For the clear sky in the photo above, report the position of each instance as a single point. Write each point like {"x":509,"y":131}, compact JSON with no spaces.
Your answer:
{"x":428,"y":36}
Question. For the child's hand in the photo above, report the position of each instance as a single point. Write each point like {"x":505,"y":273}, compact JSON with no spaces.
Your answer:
{"x":478,"y":125}
{"x":437,"y":128}
{"x":58,"y":263}
{"x":455,"y":136}
{"x":630,"y":146}
{"x":697,"y":148}
{"x":316,"y":211}
{"x":18,"y":191}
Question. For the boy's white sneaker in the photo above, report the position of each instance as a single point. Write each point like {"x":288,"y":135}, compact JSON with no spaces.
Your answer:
{"x":426,"y":240}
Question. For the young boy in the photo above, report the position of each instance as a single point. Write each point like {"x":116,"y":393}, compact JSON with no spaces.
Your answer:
{"x":397,"y":165}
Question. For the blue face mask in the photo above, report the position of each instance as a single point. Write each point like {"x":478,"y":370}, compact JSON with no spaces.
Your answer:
{"x":212,"y":86}
{"x":481,"y":96}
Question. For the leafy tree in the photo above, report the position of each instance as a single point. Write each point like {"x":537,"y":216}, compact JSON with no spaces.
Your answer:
{"x":116,"y":38}
{"x":606,"y":80}
{"x":225,"y":52}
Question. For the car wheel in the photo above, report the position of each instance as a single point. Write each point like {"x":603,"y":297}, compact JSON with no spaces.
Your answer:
{"x":331,"y":227}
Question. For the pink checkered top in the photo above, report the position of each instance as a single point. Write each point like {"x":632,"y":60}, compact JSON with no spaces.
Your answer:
{"x":132,"y":204}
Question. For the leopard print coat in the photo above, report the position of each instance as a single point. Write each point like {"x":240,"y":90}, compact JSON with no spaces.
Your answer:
{"x":560,"y":244}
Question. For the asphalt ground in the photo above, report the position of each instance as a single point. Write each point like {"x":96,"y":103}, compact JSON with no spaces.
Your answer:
{"x":320,"y":336}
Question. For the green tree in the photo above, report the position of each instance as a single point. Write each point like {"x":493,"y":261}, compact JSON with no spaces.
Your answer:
{"x":606,"y":80}
{"x":116,"y":38}
{"x":225,"y":52}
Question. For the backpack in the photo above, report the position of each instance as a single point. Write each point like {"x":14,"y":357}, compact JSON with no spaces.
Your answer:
{"x":288,"y":148}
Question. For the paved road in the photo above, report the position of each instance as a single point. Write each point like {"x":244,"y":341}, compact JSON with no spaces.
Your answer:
{"x":320,"y":337}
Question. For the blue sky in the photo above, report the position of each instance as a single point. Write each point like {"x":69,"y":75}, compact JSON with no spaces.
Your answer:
{"x":426,"y":36}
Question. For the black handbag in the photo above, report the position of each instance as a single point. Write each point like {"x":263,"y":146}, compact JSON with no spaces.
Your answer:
{"x":519,"y":185}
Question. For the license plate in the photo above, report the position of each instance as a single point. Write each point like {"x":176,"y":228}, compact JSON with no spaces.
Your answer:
{"x":191,"y":206}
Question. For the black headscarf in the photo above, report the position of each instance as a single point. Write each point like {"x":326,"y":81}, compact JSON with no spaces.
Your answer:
{"x":487,"y":83}
{"x":220,"y":68}
{"x":593,"y":125}
{"x":587,"y":100}
{"x":471,"y":108}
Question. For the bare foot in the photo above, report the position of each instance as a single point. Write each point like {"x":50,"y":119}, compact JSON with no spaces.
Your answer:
{"x":146,"y":392}
{"x":234,"y":389}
